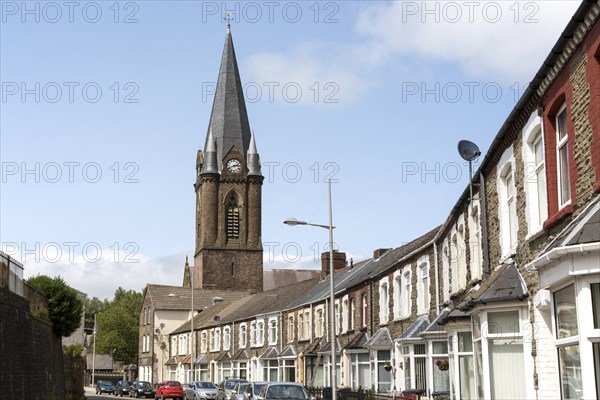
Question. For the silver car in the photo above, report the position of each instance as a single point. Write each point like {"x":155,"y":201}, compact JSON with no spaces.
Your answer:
{"x":283,"y":391}
{"x":200,"y":391}
{"x":253,"y":390}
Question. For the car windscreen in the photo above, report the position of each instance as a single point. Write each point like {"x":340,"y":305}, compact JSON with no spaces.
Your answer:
{"x":205,"y":385}
{"x":173,"y":383}
{"x":258,"y":387}
{"x":144,"y":384}
{"x":230,"y":384}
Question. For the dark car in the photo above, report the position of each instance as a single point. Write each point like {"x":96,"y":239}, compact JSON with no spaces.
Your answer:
{"x":122,"y":388}
{"x":226,"y":386}
{"x":283,"y":390}
{"x":170,"y":390}
{"x":200,"y":391}
{"x":105,"y":387}
{"x":141,"y":389}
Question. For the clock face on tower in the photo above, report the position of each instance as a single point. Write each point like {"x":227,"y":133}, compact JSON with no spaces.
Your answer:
{"x":234,"y":166}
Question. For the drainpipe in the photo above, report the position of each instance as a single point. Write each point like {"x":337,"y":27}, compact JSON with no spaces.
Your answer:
{"x":371,"y":304}
{"x":437,"y":283}
{"x":484,"y":233}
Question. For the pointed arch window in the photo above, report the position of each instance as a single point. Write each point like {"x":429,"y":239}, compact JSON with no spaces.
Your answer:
{"x":233,"y":217}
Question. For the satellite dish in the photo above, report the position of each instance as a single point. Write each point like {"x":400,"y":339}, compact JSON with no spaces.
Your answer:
{"x":217,"y":318}
{"x":468,"y":150}
{"x":157,"y":331}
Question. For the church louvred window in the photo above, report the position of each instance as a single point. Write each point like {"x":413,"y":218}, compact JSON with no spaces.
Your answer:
{"x":233,"y":217}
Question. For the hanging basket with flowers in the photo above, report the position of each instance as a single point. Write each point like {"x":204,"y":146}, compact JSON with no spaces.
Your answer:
{"x":443,"y":365}
{"x":387,"y":366}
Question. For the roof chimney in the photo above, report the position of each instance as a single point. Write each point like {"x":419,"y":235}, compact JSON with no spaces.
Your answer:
{"x":339,"y":262}
{"x":379,"y":252}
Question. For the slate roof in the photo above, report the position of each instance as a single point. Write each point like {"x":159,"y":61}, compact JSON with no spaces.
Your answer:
{"x":269,"y":353}
{"x":504,"y":284}
{"x":181,"y":299}
{"x":381,"y":340}
{"x":585,"y":228}
{"x":415,"y":329}
{"x":247,"y":306}
{"x":357,"y":341}
{"x":326,"y":347}
{"x":314,"y":347}
{"x":437,"y":326}
{"x":289,"y":351}
{"x":241,"y":354}
{"x":202,"y":359}
{"x":352,"y":276}
{"x":229,"y":119}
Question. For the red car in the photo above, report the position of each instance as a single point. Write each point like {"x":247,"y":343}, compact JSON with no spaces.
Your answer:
{"x":170,"y":390}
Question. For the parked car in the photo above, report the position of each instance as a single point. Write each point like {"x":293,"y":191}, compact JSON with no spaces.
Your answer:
{"x":105,"y":387}
{"x":170,"y":390}
{"x":122,"y":388}
{"x":253,"y":390}
{"x":283,"y":390}
{"x":226,"y":386}
{"x":238,"y":391}
{"x":141,"y":389}
{"x":200,"y":391}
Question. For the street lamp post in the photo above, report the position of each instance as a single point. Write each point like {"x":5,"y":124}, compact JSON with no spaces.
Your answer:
{"x":332,"y":336}
{"x":192,"y":364}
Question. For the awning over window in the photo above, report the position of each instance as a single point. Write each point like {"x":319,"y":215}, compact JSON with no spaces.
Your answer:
{"x":241,"y":354}
{"x":289,"y":351}
{"x":357,"y":341}
{"x":381,"y":340}
{"x":203,"y":359}
{"x":171,"y":361}
{"x":314,"y":347}
{"x":504,"y":284}
{"x":413,"y":333}
{"x":437,"y":326}
{"x":326,"y":348}
{"x":187,"y":359}
{"x":224,"y":356}
{"x":270,"y":353}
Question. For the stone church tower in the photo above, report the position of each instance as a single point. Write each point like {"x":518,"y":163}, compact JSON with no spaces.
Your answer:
{"x":229,"y":252}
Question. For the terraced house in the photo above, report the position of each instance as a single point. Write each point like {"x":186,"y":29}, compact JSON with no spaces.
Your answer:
{"x":505,"y":290}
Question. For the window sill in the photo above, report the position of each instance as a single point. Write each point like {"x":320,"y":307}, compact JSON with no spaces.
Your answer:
{"x":559,"y":216}
{"x":535,"y":235}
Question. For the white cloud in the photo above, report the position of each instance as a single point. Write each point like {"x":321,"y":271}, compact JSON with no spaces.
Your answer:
{"x":100,"y":275}
{"x":504,"y":40}
{"x":495,"y":41}
{"x":310,"y":73}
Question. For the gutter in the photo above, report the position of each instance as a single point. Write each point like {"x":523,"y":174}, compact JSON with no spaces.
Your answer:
{"x":559,"y":252}
{"x":472,"y":303}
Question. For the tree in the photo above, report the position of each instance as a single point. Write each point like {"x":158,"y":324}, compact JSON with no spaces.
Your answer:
{"x":64,"y":308}
{"x":118,"y":326}
{"x":93,"y":306}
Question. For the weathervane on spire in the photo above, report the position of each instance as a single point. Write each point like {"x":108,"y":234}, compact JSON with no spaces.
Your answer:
{"x":228,"y":18}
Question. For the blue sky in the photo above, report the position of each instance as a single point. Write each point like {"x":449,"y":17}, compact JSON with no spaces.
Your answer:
{"x":104,"y":105}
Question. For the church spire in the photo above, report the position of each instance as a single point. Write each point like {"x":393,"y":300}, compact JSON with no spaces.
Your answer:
{"x":253,"y":158}
{"x":229,"y":118}
{"x":210,"y":156}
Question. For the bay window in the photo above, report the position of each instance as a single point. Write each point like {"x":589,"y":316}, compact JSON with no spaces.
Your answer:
{"x":567,"y":342}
